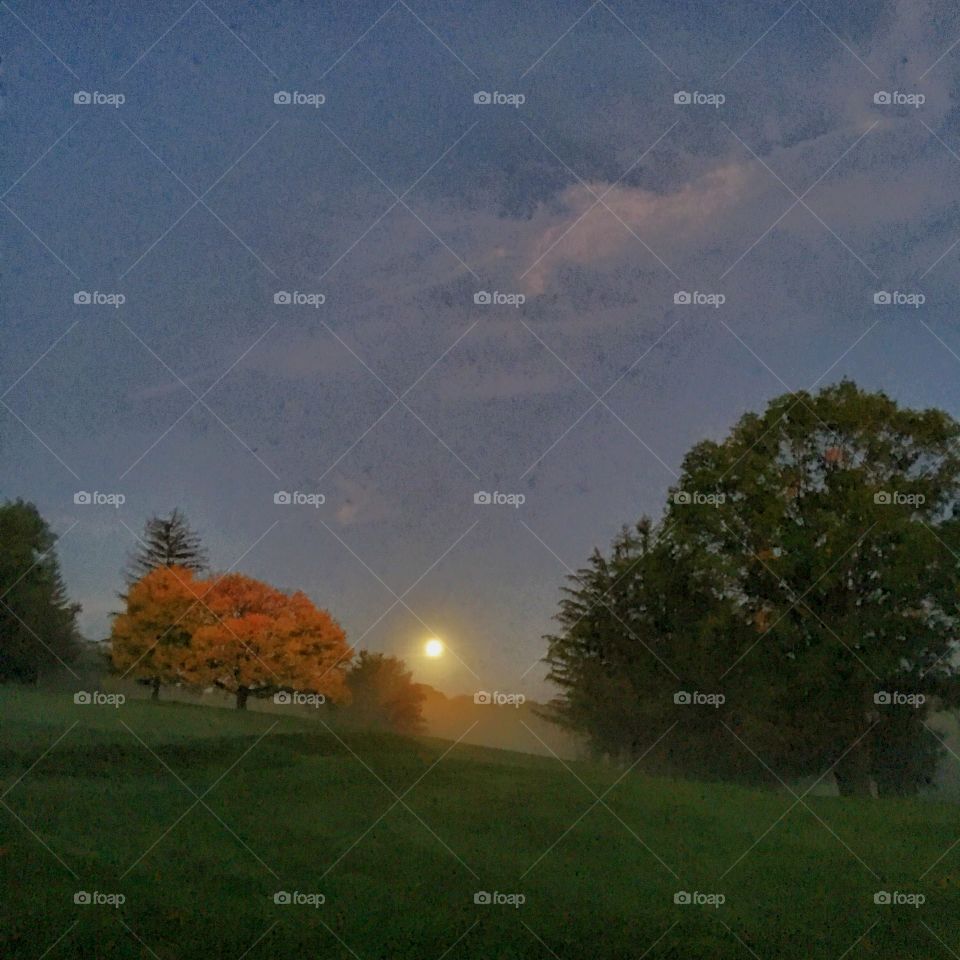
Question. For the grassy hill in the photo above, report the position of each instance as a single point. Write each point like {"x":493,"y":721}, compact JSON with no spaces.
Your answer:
{"x":198,"y":817}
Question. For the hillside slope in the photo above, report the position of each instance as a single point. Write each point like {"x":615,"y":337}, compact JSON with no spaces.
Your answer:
{"x":198,"y":817}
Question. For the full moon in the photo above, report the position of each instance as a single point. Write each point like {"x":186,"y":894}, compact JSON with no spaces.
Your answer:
{"x":433,"y":648}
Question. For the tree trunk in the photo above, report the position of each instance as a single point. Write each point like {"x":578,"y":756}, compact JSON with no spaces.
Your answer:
{"x":155,"y":685}
{"x":852,"y":773}
{"x":242,"y":694}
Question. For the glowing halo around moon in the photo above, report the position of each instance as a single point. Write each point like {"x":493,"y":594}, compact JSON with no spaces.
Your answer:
{"x":433,"y":648}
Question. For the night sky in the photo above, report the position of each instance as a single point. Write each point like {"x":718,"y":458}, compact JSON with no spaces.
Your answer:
{"x":583,"y":188}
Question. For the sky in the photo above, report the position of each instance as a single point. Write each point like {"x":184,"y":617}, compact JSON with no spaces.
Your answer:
{"x":815,"y":167}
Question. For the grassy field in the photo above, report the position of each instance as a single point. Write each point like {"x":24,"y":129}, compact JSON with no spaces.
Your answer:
{"x":199,"y":816}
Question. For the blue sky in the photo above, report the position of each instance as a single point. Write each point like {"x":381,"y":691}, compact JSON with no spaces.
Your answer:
{"x":597,"y":199}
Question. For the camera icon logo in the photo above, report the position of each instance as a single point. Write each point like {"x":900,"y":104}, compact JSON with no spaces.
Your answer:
{"x":682,"y":496}
{"x":882,"y":97}
{"x":682,"y":897}
{"x":482,"y":297}
{"x":482,"y":497}
{"x":282,"y":897}
{"x":681,"y":696}
{"x":882,"y":298}
{"x":282,"y":497}
{"x":82,"y":697}
{"x":682,"y":297}
{"x":482,"y":897}
{"x":481,"y":96}
{"x":882,"y":698}
{"x":882,"y":897}
{"x":282,"y":96}
{"x":82,"y":296}
{"x":682,"y":97}
{"x":81,"y":896}
{"x":282,"y":697}
{"x":481,"y":697}
{"x":882,"y":497}
{"x":281,"y":296}
{"x":82,"y":97}
{"x":82,"y":497}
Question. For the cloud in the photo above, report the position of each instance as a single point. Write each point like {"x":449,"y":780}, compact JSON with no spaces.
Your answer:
{"x":589,"y":232}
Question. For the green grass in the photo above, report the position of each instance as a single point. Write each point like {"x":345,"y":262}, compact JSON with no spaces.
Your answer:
{"x":292,"y":806}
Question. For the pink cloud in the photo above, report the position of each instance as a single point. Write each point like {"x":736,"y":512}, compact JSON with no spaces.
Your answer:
{"x":588,"y":231}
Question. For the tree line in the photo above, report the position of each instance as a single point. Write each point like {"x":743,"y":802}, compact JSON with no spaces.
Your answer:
{"x":183,"y":626}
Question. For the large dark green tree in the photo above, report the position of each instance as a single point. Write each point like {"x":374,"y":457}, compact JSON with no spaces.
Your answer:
{"x":38,"y":624}
{"x":636,"y":631}
{"x":604,"y":658}
{"x":805,"y":566}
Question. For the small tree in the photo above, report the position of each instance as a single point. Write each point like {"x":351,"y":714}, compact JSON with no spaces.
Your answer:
{"x":383,"y":694}
{"x":166,"y":542}
{"x":255,"y":640}
{"x":164,"y":608}
{"x":38,"y":624}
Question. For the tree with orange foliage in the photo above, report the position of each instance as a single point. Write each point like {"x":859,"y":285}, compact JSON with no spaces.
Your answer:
{"x":255,"y":639}
{"x":163,"y":610}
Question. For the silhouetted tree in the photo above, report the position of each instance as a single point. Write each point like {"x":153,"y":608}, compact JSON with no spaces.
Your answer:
{"x":806,"y":566}
{"x":38,"y":624}
{"x":383,"y":694}
{"x":167,"y":542}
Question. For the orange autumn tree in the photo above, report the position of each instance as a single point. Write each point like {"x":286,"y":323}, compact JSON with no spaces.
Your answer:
{"x":255,"y":639}
{"x":164,"y":608}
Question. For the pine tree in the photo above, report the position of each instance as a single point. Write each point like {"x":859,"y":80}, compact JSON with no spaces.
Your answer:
{"x":167,"y":542}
